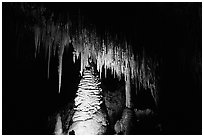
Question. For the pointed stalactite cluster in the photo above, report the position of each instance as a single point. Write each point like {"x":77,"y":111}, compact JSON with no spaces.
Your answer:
{"x":89,"y":117}
{"x":53,"y":38}
{"x":118,"y":57}
{"x":105,"y":52}
{"x":146,"y":77}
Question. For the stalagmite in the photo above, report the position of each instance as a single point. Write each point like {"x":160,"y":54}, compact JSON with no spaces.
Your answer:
{"x":89,"y":117}
{"x":58,"y":126}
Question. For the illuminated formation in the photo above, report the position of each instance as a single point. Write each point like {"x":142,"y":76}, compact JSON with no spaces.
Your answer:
{"x":58,"y":125}
{"x":106,"y":53}
{"x":89,"y":117}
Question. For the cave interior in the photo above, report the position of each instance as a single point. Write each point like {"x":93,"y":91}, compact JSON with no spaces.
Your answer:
{"x":169,"y":33}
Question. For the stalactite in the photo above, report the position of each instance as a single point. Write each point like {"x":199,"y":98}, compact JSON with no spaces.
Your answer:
{"x":60,"y":66}
{"x":52,"y":37}
{"x":48,"y":66}
{"x":105,"y":52}
{"x":111,"y":55}
{"x":37,"y":36}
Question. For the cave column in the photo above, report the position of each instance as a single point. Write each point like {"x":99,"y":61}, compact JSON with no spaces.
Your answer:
{"x":128,"y":88}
